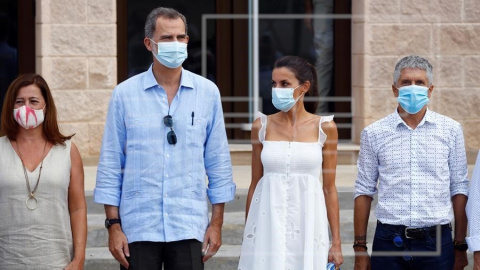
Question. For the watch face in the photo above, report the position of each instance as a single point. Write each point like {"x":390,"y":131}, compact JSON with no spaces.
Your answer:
{"x":462,"y":247}
{"x":110,"y":222}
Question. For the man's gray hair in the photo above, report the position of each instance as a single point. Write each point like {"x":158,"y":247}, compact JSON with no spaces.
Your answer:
{"x":414,"y":62}
{"x":168,"y":13}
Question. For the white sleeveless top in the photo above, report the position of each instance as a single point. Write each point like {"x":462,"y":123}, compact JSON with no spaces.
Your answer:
{"x":287,"y":225}
{"x":40,"y":238}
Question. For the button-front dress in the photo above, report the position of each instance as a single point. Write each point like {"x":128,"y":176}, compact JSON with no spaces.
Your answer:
{"x":287,"y":225}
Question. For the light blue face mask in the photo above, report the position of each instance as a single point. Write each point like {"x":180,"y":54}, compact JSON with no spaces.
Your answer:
{"x":282,"y":98}
{"x":171,"y":54}
{"x":413,"y":98}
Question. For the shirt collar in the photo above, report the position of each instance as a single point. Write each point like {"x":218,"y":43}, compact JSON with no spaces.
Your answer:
{"x":149,"y":80}
{"x":428,"y":117}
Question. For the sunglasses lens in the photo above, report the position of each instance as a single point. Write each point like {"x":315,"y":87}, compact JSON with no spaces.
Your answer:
{"x":168,"y":121}
{"x":398,"y":241}
{"x":171,"y":137}
{"x":406,"y":257}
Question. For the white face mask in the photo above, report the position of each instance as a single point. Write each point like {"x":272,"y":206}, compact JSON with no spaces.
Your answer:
{"x":171,"y":54}
{"x":27,"y":117}
{"x":282,"y":98}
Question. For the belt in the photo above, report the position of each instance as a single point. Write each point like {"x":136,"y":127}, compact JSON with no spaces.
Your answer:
{"x":418,"y":233}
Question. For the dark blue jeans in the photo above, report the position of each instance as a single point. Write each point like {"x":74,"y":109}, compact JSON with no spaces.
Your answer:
{"x":384,"y":241}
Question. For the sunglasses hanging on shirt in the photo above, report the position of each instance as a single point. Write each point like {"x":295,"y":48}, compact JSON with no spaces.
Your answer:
{"x":171,"y":136}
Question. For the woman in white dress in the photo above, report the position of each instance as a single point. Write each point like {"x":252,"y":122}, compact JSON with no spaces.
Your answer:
{"x":289,"y":207}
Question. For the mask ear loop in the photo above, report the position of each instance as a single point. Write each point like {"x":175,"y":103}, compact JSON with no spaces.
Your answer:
{"x":156,"y":43}
{"x":302,"y":94}
{"x":44,"y":112}
{"x":297,"y":99}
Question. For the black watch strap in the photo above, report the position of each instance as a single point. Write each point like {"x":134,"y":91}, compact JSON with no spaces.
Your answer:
{"x":462,"y":246}
{"x":110,"y":222}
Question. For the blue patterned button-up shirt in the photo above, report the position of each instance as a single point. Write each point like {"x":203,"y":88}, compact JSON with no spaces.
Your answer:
{"x":161,"y":189}
{"x":417,"y":170}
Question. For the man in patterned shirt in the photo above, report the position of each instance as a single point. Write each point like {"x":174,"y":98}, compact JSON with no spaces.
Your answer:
{"x":415,"y":159}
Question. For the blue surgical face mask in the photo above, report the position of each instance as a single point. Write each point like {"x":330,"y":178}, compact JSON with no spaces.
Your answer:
{"x":282,"y":98}
{"x":413,"y":98}
{"x":171,"y":54}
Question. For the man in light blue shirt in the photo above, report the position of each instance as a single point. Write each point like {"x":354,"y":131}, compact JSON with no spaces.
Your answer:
{"x":415,"y":159}
{"x":164,"y":133}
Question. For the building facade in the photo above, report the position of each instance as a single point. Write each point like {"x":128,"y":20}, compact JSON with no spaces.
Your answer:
{"x":78,"y":52}
{"x":446,"y":32}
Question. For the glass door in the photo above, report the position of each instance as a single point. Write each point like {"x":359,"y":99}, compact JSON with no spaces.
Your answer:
{"x":317,"y":30}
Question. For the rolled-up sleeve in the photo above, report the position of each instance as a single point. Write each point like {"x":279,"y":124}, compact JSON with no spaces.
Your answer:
{"x":473,"y":209}
{"x":218,"y":166}
{"x":367,"y":177}
{"x":457,"y":163}
{"x":112,"y":157}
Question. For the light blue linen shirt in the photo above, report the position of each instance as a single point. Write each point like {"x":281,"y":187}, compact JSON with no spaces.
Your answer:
{"x":417,"y":170}
{"x":473,"y":209}
{"x":161,"y":189}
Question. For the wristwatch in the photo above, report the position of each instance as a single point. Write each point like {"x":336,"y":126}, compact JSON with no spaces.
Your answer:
{"x":110,"y":222}
{"x":462,"y":246}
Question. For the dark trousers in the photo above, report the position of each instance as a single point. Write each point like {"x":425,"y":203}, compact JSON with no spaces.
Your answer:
{"x":178,"y":255}
{"x":384,"y":241}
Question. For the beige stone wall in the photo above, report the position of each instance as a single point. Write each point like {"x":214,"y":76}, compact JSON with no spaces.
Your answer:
{"x":446,"y":32}
{"x":77,"y":53}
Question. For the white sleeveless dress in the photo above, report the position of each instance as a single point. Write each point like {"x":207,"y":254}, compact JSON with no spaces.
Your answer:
{"x":287,"y":225}
{"x":41,"y":238}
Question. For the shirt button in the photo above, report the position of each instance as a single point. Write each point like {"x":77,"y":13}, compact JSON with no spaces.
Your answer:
{"x":166,"y":175}
{"x":166,"y":214}
{"x":168,"y":155}
{"x":166,"y":195}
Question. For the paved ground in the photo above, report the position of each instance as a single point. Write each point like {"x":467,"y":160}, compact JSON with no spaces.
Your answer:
{"x":98,"y":257}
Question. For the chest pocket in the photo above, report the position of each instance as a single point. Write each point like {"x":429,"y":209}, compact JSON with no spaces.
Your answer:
{"x":137,"y":132}
{"x":196,"y":133}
